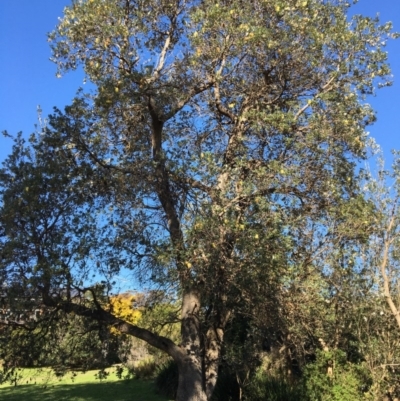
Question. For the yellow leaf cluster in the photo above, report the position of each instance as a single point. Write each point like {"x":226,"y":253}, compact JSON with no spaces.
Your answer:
{"x":121,"y":306}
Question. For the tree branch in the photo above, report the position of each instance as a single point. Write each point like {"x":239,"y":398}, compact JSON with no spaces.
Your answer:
{"x":101,"y":315}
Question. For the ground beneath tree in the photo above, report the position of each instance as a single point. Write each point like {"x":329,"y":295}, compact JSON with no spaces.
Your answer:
{"x":41,"y":385}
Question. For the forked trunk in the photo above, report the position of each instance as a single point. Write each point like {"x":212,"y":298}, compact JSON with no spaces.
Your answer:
{"x":200,"y":353}
{"x":191,"y":379}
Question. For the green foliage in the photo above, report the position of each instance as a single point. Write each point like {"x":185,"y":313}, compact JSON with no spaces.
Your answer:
{"x":19,"y":348}
{"x":166,"y":381}
{"x":62,"y":341}
{"x":241,"y":356}
{"x":264,"y":387}
{"x":145,"y":369}
{"x":85,"y":345}
{"x":332,"y":378}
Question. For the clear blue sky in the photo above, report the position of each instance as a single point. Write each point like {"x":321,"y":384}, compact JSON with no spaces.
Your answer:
{"x":27,"y":77}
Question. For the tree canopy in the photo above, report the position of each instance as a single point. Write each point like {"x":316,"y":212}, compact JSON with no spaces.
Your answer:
{"x":215,"y":157}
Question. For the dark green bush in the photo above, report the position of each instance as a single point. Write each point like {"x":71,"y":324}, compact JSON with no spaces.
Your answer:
{"x":167,"y":379}
{"x":146,"y":369}
{"x":227,"y":388}
{"x":263,"y":387}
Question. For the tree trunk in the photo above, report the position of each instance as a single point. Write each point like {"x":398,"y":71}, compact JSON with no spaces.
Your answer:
{"x":191,"y":379}
{"x":213,"y":350}
{"x":191,"y":383}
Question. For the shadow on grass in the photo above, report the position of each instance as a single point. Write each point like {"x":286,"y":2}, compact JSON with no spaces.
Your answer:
{"x":127,"y":390}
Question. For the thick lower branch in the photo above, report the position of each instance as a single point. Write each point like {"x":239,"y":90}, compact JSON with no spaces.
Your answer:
{"x":101,"y":315}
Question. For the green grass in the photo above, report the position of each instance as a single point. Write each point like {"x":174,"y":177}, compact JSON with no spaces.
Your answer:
{"x":42,"y":385}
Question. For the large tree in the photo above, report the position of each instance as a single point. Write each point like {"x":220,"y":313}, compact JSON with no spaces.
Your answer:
{"x":215,"y":138}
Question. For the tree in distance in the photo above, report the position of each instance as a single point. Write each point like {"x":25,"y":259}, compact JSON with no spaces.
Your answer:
{"x":217,"y":144}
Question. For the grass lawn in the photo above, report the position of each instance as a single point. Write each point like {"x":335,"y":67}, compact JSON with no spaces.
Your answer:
{"x":42,"y":385}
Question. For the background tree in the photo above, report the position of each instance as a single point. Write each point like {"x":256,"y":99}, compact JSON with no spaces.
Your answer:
{"x":215,"y":136}
{"x":45,"y":238}
{"x":379,"y":320}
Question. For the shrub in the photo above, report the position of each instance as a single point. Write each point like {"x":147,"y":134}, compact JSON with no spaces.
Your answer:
{"x":347,"y":381}
{"x":167,"y":379}
{"x":265,"y":387}
{"x":145,"y":369}
{"x":227,"y":387}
